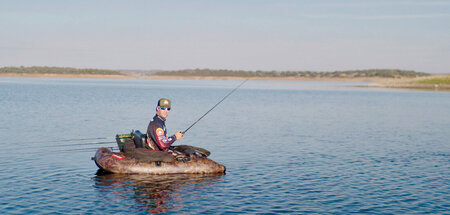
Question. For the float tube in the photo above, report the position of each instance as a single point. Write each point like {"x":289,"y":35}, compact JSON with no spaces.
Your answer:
{"x":182,"y":159}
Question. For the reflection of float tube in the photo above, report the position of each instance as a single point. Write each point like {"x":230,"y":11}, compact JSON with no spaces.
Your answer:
{"x":153,"y":193}
{"x":108,"y":161}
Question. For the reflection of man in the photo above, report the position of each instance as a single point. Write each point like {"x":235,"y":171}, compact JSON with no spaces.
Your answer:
{"x":156,"y":132}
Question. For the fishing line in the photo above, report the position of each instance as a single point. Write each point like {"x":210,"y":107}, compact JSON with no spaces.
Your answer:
{"x":215,"y":106}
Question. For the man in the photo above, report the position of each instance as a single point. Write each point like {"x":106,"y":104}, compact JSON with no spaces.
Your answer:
{"x":156,"y":132}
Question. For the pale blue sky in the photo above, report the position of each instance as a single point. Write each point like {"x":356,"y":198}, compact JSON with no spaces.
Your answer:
{"x":316,"y":35}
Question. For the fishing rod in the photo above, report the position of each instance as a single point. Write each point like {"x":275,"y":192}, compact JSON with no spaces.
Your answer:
{"x":215,"y":106}
{"x":65,"y":140}
{"x":81,"y":150}
{"x":80,"y":144}
{"x":72,"y":146}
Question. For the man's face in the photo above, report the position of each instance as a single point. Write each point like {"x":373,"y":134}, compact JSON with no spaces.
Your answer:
{"x":162,"y":113}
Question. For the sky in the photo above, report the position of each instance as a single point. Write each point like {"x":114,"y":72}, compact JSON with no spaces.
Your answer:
{"x":280,"y":35}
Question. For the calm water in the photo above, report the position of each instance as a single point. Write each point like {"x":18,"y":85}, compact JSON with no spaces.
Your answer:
{"x":289,"y":147}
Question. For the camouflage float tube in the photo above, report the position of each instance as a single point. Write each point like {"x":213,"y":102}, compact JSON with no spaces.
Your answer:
{"x":131,"y":160}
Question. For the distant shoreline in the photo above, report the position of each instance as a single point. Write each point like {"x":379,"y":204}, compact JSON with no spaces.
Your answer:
{"x":47,"y":75}
{"x":406,"y":83}
{"x":181,"y":77}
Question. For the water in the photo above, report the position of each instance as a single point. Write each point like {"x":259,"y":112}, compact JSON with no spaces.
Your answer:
{"x":289,"y":147}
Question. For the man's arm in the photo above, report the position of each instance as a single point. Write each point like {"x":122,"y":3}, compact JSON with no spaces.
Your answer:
{"x":162,"y":140}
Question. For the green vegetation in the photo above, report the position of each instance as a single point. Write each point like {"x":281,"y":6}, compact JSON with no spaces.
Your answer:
{"x":57,"y":70}
{"x":435,"y":80}
{"x":385,"y":73}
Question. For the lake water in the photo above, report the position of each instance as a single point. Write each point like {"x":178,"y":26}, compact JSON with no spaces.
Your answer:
{"x":289,"y":147}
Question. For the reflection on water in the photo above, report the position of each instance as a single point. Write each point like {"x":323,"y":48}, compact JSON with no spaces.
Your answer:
{"x":151,"y":193}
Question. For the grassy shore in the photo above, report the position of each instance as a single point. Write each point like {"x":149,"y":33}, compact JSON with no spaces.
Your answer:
{"x":433,"y":82}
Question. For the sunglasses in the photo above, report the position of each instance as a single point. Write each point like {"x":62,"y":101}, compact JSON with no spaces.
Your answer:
{"x":164,"y":108}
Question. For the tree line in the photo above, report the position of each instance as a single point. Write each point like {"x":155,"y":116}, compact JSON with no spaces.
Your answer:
{"x":385,"y":73}
{"x":56,"y":70}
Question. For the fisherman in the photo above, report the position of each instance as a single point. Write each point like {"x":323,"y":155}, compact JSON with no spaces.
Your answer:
{"x":157,"y":138}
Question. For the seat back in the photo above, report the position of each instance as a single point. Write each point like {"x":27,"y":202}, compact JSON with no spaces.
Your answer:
{"x":140,"y":140}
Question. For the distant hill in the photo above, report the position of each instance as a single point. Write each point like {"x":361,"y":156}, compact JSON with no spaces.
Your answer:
{"x":57,"y":70}
{"x":384,"y":73}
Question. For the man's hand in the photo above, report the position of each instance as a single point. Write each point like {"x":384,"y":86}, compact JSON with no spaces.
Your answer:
{"x":179,"y":135}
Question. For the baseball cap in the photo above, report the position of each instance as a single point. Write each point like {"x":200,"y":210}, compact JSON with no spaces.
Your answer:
{"x":163,"y":102}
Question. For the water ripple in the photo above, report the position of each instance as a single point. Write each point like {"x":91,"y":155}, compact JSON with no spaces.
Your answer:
{"x":296,"y":150}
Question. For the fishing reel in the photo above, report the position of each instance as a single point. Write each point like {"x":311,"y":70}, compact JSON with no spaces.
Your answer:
{"x":183,"y":158}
